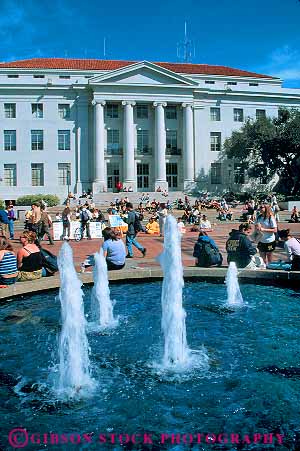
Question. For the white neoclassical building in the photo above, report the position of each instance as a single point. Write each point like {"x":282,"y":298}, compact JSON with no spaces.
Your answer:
{"x":74,"y":124}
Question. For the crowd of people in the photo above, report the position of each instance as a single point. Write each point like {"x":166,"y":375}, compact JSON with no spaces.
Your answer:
{"x":251,"y":245}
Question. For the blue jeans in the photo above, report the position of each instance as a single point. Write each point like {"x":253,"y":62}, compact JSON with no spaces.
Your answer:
{"x":8,"y":280}
{"x":11,"y":228}
{"x":131,"y":241}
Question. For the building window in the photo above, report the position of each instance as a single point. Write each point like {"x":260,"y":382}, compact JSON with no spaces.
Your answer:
{"x":39,"y":76}
{"x":215,"y":114}
{"x":142,"y":111}
{"x":64,"y":111}
{"x":232,"y":83}
{"x":143,"y":141}
{"x":215,"y":174}
{"x":171,"y":112}
{"x":253,"y":84}
{"x":171,"y":141}
{"x":37,"y":140}
{"x":37,"y":110}
{"x":239,"y":174}
{"x":113,"y":175}
{"x":10,"y":139}
{"x":13,"y":76}
{"x":142,"y":175}
{"x":209,"y":82}
{"x":64,"y":174}
{"x":10,"y":110}
{"x":238,"y":115}
{"x":260,"y":114}
{"x":65,"y":77}
{"x":215,"y":141}
{"x":113,"y":141}
{"x":112,"y":111}
{"x":172,"y":174}
{"x":10,"y":175}
{"x":37,"y":174}
{"x":64,"y":141}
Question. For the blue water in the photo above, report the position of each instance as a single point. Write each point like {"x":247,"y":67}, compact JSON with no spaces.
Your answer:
{"x":133,"y":396}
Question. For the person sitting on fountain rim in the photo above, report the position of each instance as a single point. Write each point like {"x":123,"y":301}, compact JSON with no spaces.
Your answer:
{"x":292,"y":248}
{"x":206,"y":252}
{"x":29,"y":258}
{"x":240,"y":249}
{"x":113,"y":250}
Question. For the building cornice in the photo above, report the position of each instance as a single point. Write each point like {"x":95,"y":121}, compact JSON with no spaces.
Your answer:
{"x":236,"y":93}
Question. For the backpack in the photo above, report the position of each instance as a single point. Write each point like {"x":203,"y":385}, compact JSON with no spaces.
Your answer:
{"x":45,"y":219}
{"x":207,"y":254}
{"x":137,"y":224}
{"x":84,"y":216}
{"x":49,"y":261}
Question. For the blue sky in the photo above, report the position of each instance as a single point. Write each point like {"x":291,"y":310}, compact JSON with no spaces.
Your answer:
{"x":261,"y":35}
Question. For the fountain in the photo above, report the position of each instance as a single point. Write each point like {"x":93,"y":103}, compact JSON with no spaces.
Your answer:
{"x":247,"y":387}
{"x":101,"y":304}
{"x":74,"y":365}
{"x":234,"y":295}
{"x":176,"y":351}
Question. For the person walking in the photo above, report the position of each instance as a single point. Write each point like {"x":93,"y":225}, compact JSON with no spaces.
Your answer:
{"x":85,"y":218}
{"x":11,"y":220}
{"x":66,"y":220}
{"x":4,"y":222}
{"x":133,"y":225}
{"x":36,"y":218}
{"x":46,"y":223}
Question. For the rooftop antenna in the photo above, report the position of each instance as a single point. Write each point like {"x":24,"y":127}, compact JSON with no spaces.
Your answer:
{"x":185,"y":48}
{"x":104,"y":47}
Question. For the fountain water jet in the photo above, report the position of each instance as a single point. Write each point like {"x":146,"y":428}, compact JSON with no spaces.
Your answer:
{"x":177,"y":354}
{"x":101,"y":304}
{"x":234,"y":295}
{"x":74,"y":365}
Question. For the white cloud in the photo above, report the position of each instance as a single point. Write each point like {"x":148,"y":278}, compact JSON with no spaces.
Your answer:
{"x":283,"y":62}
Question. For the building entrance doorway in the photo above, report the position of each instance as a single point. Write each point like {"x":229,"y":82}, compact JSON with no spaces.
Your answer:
{"x":113,"y":176}
{"x":172,"y":175}
{"x":142,"y":170}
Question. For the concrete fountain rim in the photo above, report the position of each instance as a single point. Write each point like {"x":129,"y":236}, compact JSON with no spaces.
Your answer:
{"x":290,"y":279}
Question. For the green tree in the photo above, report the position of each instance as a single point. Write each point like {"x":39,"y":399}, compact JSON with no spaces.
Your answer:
{"x":269,"y":146}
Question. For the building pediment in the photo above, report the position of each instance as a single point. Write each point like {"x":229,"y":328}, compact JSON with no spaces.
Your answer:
{"x":143,"y":74}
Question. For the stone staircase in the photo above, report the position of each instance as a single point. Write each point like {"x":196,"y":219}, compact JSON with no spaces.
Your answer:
{"x":105,"y":199}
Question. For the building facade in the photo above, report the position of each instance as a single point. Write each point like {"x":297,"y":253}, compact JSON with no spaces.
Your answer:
{"x":68,"y":125}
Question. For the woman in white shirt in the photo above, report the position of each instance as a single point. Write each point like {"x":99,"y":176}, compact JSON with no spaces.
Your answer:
{"x":292,"y":247}
{"x":205,"y":224}
{"x":266,"y":224}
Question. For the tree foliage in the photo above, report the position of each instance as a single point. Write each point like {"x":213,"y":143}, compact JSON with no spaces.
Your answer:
{"x":29,"y":199}
{"x":269,"y":146}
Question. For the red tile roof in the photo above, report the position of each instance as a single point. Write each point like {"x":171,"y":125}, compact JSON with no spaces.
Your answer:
{"x":94,"y":65}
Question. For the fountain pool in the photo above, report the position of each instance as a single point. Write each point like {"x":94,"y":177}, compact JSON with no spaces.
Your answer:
{"x":251,"y":387}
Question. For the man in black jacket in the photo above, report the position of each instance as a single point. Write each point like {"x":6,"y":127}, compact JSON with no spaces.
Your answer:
{"x":132,"y":219}
{"x":240,"y":249}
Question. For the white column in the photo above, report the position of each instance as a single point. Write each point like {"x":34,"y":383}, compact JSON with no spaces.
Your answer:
{"x":160,"y":146}
{"x":188,"y":145}
{"x":128,"y":147}
{"x":78,"y":187}
{"x":99,"y":184}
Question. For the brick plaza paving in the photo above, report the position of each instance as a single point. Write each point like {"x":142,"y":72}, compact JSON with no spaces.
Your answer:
{"x":154,"y":245}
